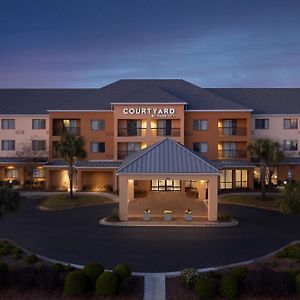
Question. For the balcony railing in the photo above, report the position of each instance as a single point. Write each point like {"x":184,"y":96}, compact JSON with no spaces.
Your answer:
{"x":239,"y":131}
{"x":58,"y":131}
{"x":139,"y":131}
{"x":124,"y":154}
{"x":232,"y":154}
{"x":163,"y":131}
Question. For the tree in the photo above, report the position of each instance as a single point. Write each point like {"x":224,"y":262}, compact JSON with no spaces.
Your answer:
{"x":33,"y":156}
{"x":8,"y":199}
{"x":268,"y":153}
{"x":291,"y":200}
{"x":70,"y":148}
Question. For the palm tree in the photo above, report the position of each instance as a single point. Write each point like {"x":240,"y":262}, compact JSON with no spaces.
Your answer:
{"x":268,"y":153}
{"x":70,"y":148}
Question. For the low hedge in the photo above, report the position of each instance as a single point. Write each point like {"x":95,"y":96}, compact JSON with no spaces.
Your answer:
{"x":92,"y":271}
{"x":31,"y":259}
{"x":76,"y":283}
{"x":107,"y":284}
{"x":229,"y":288}
{"x":3,"y":274}
{"x":206,"y":286}
{"x":122,"y":270}
{"x":189,"y":277}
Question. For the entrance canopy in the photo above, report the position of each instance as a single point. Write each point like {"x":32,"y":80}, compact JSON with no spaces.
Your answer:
{"x":166,"y":160}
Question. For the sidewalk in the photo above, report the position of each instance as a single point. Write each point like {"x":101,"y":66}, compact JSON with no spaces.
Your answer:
{"x":155,"y":287}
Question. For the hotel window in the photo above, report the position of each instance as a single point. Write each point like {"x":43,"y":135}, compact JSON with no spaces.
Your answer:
{"x":290,"y":145}
{"x":226,"y":179}
{"x":11,"y":173}
{"x":38,"y":123}
{"x":134,"y":127}
{"x":38,"y":145}
{"x":229,"y":149}
{"x":200,"y":125}
{"x":97,"y":147}
{"x":164,"y":127}
{"x":97,"y":124}
{"x":229,"y":127}
{"x":8,"y":145}
{"x":261,"y":123}
{"x":241,"y":178}
{"x":8,"y":124}
{"x":290,"y":124}
{"x":200,"y":147}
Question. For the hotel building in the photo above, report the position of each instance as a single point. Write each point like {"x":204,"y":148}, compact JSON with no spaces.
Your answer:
{"x":213,"y":125}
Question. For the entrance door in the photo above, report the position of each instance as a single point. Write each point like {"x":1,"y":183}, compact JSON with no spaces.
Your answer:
{"x":165,"y":185}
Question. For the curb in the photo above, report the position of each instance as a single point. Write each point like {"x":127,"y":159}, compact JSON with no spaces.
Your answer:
{"x":166,"y":274}
{"x":149,"y":224}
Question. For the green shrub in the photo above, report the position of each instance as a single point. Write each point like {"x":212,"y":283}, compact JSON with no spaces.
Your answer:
{"x":76,"y":283}
{"x":229,"y":288}
{"x":69,"y":268}
{"x":297,"y":284}
{"x":206,"y":286}
{"x":239,"y":274}
{"x":292,"y":252}
{"x":3,"y":274}
{"x":107,"y":284}
{"x":189,"y":277}
{"x":59,"y":268}
{"x":92,"y":271}
{"x":17,"y":256}
{"x":123,"y":271}
{"x":31,"y":259}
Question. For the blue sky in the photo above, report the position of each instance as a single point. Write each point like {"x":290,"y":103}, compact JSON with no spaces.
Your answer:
{"x":91,"y":43}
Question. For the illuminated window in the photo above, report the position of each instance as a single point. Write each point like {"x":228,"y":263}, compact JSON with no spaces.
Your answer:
{"x":165,"y":185}
{"x":241,"y":178}
{"x":11,"y":173}
{"x":226,"y":179}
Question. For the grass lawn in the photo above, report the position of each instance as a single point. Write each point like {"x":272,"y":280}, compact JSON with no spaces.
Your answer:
{"x":269,"y":201}
{"x":62,"y":201}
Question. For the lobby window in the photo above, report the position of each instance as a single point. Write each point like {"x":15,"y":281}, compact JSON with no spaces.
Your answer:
{"x":200,"y":125}
{"x":97,"y":124}
{"x":261,"y":123}
{"x":8,"y":124}
{"x":290,"y":124}
{"x":191,"y":185}
{"x":290,"y":145}
{"x":39,"y":173}
{"x":226,"y":179}
{"x":165,"y":185}
{"x":200,"y":147}
{"x":11,"y":173}
{"x":8,"y":145}
{"x":38,"y":124}
{"x":241,"y":178}
{"x":38,"y":145}
{"x":97,"y":147}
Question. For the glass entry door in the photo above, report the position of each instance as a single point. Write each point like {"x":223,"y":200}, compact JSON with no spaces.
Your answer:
{"x":165,"y":185}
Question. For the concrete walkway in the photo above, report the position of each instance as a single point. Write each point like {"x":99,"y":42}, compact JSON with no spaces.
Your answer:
{"x":154,"y":286}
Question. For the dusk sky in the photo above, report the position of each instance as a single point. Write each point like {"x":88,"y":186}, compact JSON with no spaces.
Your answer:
{"x":91,"y":43}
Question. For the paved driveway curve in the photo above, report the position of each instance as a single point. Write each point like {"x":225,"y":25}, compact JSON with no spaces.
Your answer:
{"x":75,"y":236}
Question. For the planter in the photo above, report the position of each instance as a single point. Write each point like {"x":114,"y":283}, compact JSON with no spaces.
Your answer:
{"x":146,"y":217}
{"x":168,"y":217}
{"x":188,"y":217}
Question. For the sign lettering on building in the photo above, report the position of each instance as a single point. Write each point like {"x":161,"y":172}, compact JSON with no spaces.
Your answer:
{"x":154,"y":112}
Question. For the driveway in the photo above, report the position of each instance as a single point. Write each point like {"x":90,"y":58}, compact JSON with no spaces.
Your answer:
{"x":75,"y":236}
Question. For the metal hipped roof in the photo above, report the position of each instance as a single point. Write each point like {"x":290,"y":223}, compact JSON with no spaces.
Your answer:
{"x":166,"y":156}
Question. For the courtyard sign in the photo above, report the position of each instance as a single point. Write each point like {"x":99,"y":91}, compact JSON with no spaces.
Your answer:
{"x":154,"y":112}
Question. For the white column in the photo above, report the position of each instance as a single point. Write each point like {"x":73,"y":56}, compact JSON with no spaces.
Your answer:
{"x":213,"y":199}
{"x":130,"y":189}
{"x":201,"y":189}
{"x":123,"y":198}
